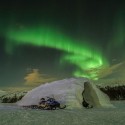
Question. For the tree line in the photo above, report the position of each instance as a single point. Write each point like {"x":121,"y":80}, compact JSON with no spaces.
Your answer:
{"x":114,"y":93}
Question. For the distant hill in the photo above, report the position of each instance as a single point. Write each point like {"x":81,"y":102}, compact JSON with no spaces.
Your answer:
{"x":12,"y":97}
{"x":2,"y":93}
{"x":110,"y":82}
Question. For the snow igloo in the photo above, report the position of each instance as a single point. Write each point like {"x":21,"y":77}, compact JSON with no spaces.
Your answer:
{"x":69,"y":92}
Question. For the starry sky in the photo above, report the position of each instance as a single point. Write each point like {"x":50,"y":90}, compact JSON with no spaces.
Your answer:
{"x":42,"y":41}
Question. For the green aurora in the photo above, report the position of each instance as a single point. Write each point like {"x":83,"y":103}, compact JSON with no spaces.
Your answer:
{"x":87,"y":58}
{"x":62,"y":39}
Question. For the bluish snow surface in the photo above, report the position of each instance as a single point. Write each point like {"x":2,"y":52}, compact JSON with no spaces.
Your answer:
{"x":13,"y":115}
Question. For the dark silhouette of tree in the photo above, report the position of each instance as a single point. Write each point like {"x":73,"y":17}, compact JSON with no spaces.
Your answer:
{"x":114,"y":93}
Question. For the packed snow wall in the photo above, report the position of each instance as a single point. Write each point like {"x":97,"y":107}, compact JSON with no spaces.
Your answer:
{"x":95,"y":96}
{"x":69,"y":92}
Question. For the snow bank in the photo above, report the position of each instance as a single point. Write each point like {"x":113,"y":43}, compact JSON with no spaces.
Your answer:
{"x":95,"y":96}
{"x":68,"y":91}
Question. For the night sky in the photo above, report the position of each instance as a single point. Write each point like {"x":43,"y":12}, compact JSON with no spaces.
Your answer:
{"x":50,"y":40}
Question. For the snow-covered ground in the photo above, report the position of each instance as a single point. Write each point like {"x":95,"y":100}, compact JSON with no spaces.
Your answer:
{"x":2,"y":93}
{"x":13,"y":115}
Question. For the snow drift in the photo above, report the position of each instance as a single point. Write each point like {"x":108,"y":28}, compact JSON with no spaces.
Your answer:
{"x":68,"y":91}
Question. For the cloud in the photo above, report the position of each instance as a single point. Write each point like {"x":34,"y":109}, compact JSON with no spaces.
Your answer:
{"x":109,"y":70}
{"x":112,"y":71}
{"x":36,"y":78}
{"x":105,"y":72}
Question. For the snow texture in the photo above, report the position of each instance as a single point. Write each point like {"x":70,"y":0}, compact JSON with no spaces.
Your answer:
{"x":2,"y":93}
{"x":14,"y":115}
{"x":68,"y":91}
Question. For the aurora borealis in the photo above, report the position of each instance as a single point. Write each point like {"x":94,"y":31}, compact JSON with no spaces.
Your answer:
{"x":81,"y":39}
{"x":83,"y":56}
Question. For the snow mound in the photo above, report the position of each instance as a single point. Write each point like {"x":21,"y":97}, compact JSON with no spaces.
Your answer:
{"x":68,"y":91}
